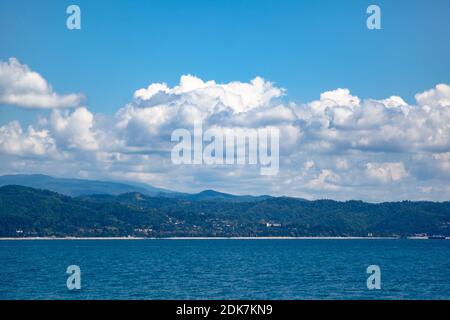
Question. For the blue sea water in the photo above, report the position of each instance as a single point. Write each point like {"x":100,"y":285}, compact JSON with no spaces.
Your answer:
{"x":225,"y":269}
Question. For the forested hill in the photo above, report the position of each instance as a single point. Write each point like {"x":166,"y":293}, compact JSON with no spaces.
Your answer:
{"x":26,"y":211}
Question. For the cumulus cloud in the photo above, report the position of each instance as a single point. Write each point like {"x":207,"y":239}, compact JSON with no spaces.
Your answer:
{"x":75,"y":129}
{"x":386,"y":172}
{"x":439,"y":96}
{"x":388,"y":125}
{"x":338,"y":146}
{"x":157,"y":110}
{"x":236,"y":96}
{"x":23,"y":87}
{"x":325,"y":180}
{"x":15,"y":141}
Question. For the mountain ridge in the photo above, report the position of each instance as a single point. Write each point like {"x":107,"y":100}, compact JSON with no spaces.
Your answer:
{"x":26,"y":211}
{"x":77,"y":187}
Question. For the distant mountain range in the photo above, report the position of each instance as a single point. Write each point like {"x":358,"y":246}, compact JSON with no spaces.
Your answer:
{"x":26,"y":211}
{"x":78,"y":187}
{"x":211,"y":195}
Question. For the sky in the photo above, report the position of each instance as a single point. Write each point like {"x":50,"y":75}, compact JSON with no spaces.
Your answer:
{"x":363,"y":114}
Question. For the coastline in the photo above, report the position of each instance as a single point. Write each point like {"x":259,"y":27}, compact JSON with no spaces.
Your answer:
{"x":210,"y":238}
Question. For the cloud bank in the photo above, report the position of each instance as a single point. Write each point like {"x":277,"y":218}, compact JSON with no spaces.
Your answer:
{"x":339,"y":146}
{"x":22,"y":87}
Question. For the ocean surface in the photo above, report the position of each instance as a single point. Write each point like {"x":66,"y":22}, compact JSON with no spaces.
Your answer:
{"x":225,"y":269}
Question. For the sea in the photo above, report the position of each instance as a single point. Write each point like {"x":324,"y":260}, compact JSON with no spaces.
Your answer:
{"x":224,"y":269}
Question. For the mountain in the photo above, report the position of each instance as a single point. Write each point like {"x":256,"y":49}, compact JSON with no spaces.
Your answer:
{"x":211,"y":195}
{"x":43,"y":212}
{"x":76,"y":187}
{"x":26,"y":211}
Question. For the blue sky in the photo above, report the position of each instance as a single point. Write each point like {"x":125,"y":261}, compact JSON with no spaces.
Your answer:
{"x":304,"y":46}
{"x":308,"y":48}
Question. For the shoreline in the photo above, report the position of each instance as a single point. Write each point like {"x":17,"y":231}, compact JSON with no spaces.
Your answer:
{"x":211,"y":238}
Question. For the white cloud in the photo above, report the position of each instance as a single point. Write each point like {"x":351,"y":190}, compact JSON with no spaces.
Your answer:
{"x":22,"y":87}
{"x":443,"y":160}
{"x":339,"y":146}
{"x":335,"y":98}
{"x":309,"y":164}
{"x":14,"y":141}
{"x":342,"y":164}
{"x":75,"y":129}
{"x":394,"y":102}
{"x":157,"y":110}
{"x":386,"y":172}
{"x":325,"y":180}
{"x":211,"y":96}
{"x":439,"y":96}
